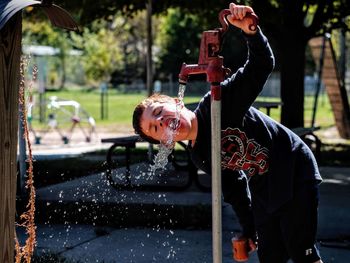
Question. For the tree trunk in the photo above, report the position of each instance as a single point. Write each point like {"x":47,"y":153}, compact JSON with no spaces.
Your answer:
{"x":10,"y":51}
{"x":292,"y":57}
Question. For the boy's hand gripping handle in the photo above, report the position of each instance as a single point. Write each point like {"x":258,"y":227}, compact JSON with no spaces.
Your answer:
{"x":225,"y":24}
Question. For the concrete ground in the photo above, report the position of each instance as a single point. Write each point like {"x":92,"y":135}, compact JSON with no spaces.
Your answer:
{"x":97,"y":233}
{"x":79,"y":242}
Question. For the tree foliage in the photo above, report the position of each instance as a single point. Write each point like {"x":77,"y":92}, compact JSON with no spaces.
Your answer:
{"x":101,"y":53}
{"x":89,"y":10}
{"x":288,"y":24}
{"x":42,"y":33}
{"x":178,"y":40}
{"x":114,"y":49}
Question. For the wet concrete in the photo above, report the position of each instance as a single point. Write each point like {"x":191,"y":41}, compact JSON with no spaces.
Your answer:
{"x":89,"y":240}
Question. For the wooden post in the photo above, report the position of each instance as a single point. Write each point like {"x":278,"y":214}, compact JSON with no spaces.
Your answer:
{"x":10,"y":51}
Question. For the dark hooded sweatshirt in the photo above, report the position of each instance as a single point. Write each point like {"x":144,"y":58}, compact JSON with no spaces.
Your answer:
{"x":271,"y":156}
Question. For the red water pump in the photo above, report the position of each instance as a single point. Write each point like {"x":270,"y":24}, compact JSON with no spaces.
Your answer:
{"x":209,"y":62}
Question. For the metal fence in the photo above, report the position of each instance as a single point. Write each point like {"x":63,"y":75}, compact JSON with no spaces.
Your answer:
{"x":197,"y":88}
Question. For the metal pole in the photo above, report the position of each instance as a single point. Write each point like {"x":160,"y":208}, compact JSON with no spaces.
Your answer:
{"x":319,"y":80}
{"x":101,"y":106}
{"x":41,"y":86}
{"x":216,"y":171}
{"x":106,"y":103}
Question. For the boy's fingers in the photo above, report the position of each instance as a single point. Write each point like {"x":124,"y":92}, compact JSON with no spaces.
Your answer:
{"x":235,"y":13}
{"x":233,"y":10}
{"x":252,"y":245}
{"x":244,"y":12}
{"x":238,"y":17}
{"x":249,"y":9}
{"x":232,"y":6}
{"x":240,"y":13}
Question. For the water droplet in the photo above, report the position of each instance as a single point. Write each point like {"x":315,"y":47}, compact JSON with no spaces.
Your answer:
{"x":166,"y":147}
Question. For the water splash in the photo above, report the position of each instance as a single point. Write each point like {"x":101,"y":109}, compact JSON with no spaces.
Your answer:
{"x":179,"y":105}
{"x":165,"y":148}
{"x":161,"y":158}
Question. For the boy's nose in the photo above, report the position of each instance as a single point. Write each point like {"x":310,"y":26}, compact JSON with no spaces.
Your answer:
{"x":160,"y":120}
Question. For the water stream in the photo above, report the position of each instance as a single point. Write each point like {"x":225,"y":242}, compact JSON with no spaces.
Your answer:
{"x":165,"y":148}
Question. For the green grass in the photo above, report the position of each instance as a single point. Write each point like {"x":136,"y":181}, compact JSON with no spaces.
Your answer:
{"x":324,"y":114}
{"x":121,"y":106}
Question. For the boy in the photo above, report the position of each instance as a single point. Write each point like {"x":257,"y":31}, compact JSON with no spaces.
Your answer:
{"x":282,"y":172}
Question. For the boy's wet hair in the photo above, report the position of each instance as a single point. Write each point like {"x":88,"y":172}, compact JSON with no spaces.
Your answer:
{"x":136,"y":118}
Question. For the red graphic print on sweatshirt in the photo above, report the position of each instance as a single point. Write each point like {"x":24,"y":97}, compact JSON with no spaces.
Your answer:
{"x":240,"y":153}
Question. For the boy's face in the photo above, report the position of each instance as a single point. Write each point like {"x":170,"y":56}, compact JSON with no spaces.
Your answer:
{"x":157,"y":118}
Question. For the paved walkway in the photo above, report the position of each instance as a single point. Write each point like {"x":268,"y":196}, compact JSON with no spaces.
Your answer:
{"x":95,"y":243}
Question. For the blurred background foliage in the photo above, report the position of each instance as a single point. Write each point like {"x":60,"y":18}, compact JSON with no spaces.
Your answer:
{"x":113,"y":45}
{"x":113,"y":34}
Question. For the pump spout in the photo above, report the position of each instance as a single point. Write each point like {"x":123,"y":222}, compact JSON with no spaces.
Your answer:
{"x":191,"y":69}
{"x":214,"y":70}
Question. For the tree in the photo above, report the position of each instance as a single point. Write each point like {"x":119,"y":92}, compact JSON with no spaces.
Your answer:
{"x":288,"y":23}
{"x":178,"y":41}
{"x":42,"y":33}
{"x":101,"y":52}
{"x":132,"y":39}
{"x":291,"y":24}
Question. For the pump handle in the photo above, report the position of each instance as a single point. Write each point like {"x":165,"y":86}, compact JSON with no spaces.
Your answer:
{"x":224,"y":22}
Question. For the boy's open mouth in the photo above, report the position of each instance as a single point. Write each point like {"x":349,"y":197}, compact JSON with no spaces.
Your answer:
{"x":173,"y":123}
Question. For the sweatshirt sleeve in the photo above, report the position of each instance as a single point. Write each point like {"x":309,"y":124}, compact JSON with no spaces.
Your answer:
{"x":236,"y":192}
{"x":241,"y":89}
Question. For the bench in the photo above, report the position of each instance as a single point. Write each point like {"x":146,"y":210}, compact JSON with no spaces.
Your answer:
{"x":268,"y":105}
{"x":310,"y":138}
{"x":129,"y":143}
